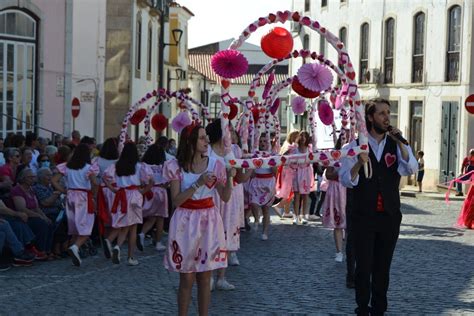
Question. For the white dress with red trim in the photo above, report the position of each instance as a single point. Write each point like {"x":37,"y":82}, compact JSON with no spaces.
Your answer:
{"x":262,"y":187}
{"x":79,"y":199}
{"x":196,"y":241}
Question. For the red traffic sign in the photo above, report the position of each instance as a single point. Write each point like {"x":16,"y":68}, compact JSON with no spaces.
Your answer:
{"x":75,"y":107}
{"x":469,"y":104}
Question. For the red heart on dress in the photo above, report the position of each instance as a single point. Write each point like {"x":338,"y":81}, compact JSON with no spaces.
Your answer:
{"x":336,"y":154}
{"x":272,"y":17}
{"x":251,"y":93}
{"x":390,"y":159}
{"x":232,"y":162}
{"x":257,"y":162}
{"x":272,"y":162}
{"x":310,"y":156}
{"x":211,"y":184}
{"x":225,"y":83}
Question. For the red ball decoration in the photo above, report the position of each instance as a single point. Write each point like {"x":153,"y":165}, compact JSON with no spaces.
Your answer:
{"x":256,"y":114}
{"x":138,"y":116}
{"x":159,"y":122}
{"x":278,"y":43}
{"x":233,"y":111}
{"x":302,"y":91}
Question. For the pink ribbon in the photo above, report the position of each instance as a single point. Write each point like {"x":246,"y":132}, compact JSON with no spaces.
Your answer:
{"x":459,"y":180}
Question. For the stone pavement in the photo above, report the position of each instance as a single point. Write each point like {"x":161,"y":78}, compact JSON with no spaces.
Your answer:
{"x":292,"y":272}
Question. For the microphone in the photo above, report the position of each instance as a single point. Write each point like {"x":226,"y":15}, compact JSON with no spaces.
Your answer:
{"x":397,"y":135}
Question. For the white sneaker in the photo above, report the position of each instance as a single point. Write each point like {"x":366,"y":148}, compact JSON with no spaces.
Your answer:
{"x":295,"y":221}
{"x":159,"y":246}
{"x":223,"y":285}
{"x":339,"y":257}
{"x":213,"y":284}
{"x":288,"y":215}
{"x":74,"y":253}
{"x":233,"y":260}
{"x":303,"y":220}
{"x":264,"y":237}
{"x":141,"y":241}
{"x":116,"y":255}
{"x":132,"y":261}
{"x":312,"y":217}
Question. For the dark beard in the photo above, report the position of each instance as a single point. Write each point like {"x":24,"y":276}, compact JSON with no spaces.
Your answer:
{"x":379,"y":130}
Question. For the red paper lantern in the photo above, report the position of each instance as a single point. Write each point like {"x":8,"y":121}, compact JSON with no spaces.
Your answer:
{"x":233,"y":111}
{"x":138,"y":116}
{"x":302,"y":91}
{"x":278,"y":43}
{"x":256,"y":114}
{"x":159,"y":122}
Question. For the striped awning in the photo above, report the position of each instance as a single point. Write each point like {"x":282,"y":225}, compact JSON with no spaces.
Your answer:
{"x":201,"y":62}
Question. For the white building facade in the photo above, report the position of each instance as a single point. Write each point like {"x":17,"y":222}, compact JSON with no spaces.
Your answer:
{"x":417,"y":54}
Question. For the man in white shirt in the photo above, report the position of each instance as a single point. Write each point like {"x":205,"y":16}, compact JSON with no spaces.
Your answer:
{"x":375,"y":213}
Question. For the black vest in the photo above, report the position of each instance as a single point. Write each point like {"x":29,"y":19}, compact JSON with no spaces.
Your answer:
{"x":385,"y":180}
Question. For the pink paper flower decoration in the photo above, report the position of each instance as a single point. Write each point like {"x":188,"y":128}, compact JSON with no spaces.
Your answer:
{"x":274,"y":108}
{"x":325,"y":112}
{"x":298,"y":104}
{"x":268,"y":85}
{"x":180,"y":121}
{"x":229,"y":63}
{"x":315,"y":77}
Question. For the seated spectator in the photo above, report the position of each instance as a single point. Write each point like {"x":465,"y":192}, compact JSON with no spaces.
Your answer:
{"x":51,"y":151}
{"x":27,"y":158}
{"x":17,"y":222}
{"x":43,"y":161}
{"x":52,"y":206}
{"x":42,"y":143}
{"x":31,"y":141}
{"x":2,"y":158}
{"x":24,"y":200}
{"x":21,"y":257}
{"x":12,"y":160}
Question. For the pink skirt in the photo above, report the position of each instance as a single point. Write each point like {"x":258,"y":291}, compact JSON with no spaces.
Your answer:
{"x":134,"y":211}
{"x":334,"y":206}
{"x":303,"y":182}
{"x":285,"y":183}
{"x":262,"y":191}
{"x":158,"y":205}
{"x":196,"y":241}
{"x":233,"y":216}
{"x":79,"y":221}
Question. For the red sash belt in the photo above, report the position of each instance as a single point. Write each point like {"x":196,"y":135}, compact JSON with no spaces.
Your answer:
{"x":102,"y":210}
{"x":198,"y":204}
{"x":90,"y":199}
{"x":380,"y":207}
{"x":121,"y":197}
{"x":264,"y":175}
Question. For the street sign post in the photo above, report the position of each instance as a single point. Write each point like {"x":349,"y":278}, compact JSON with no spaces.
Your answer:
{"x":469,"y":104}
{"x":75,"y":110}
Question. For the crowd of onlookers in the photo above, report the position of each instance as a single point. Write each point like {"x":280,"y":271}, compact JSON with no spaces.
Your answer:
{"x":33,"y":225}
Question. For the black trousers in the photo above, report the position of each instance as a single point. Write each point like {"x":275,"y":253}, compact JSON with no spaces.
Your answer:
{"x":350,"y":257}
{"x":373,"y":253}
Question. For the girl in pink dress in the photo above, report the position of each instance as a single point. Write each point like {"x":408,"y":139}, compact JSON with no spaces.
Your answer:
{"x":80,"y":180}
{"x":196,"y":241}
{"x":262,"y":190}
{"x":303,"y":181}
{"x":155,"y":207}
{"x":285,"y":178}
{"x":132,"y":179}
{"x":466,"y":217}
{"x":108,"y":156}
{"x":231,"y":211}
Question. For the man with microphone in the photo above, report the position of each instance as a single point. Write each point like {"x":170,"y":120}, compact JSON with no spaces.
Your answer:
{"x":376,"y":215}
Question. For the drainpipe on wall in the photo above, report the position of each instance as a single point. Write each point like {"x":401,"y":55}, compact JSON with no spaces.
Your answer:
{"x":68,"y":69}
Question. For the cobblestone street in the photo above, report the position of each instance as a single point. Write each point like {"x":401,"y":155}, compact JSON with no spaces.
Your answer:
{"x":293,"y":272}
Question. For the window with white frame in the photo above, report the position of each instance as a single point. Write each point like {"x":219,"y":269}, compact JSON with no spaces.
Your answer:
{"x":18,"y":37}
{"x":138,"y":45}
{"x":364,"y":52}
{"x":149,"y":50}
